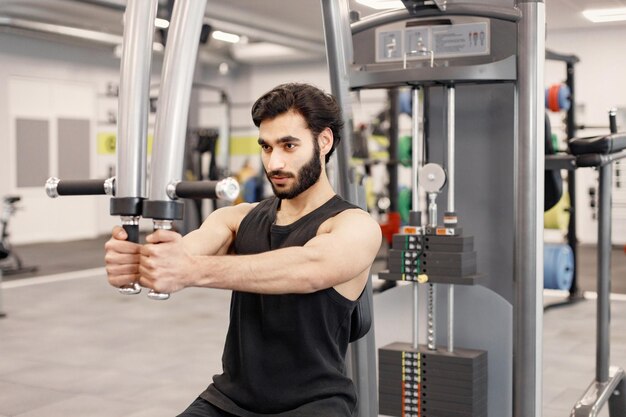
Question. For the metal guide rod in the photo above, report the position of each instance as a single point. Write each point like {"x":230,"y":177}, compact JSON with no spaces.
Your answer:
{"x":528,"y":192}
{"x":451,"y":207}
{"x":338,"y":39}
{"x":416,"y":157}
{"x":224,"y":138}
{"x":603,"y":306}
{"x":603,"y":315}
{"x":171,"y":118}
{"x":451,"y":144}
{"x":132,"y":116}
{"x":340,"y":54}
{"x":174,"y":94}
{"x":415,"y":204}
{"x":416,"y":295}
{"x":432,"y":312}
{"x":450,"y":318}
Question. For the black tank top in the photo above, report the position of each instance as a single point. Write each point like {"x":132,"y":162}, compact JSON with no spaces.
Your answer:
{"x":285,"y":354}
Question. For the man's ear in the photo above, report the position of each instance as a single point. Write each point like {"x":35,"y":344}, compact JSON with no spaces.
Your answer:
{"x":325,"y":139}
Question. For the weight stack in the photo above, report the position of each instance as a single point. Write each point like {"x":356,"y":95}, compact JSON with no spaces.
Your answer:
{"x":432,"y":383}
{"x":444,"y":259}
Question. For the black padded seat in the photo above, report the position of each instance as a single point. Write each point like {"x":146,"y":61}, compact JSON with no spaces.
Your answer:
{"x":603,"y":145}
{"x":597,"y":151}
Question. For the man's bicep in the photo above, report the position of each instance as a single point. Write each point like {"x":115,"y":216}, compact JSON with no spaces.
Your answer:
{"x":217,"y":232}
{"x":351,"y":245}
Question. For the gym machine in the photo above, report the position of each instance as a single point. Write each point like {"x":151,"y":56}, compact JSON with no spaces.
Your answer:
{"x":128,"y":187}
{"x":10,"y":262}
{"x":488,"y":58}
{"x":600,"y":152}
{"x":570,"y":61}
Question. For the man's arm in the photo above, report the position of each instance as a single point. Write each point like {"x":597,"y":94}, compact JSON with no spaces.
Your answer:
{"x":217,"y":232}
{"x":344,"y":252}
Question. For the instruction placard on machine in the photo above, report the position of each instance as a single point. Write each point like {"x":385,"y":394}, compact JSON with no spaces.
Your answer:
{"x":444,"y":41}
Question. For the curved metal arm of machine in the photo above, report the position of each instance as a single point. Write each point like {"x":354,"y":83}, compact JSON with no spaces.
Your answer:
{"x":133,"y":119}
{"x":171,"y":118}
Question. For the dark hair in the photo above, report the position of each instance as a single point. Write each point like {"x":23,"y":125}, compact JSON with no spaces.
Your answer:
{"x":319,"y":109}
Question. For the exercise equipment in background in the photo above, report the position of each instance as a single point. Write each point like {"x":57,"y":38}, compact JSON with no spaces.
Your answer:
{"x":558,"y":97}
{"x":609,"y":385}
{"x":558,"y":266}
{"x":559,"y":215}
{"x":10,"y":262}
{"x":570,"y":62}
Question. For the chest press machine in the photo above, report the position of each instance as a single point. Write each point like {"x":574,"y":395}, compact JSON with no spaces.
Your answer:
{"x":128,"y":187}
{"x":477,"y":68}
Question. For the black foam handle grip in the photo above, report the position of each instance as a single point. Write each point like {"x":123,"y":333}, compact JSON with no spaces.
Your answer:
{"x":132,"y":230}
{"x":81,"y":187}
{"x":196,"y":189}
{"x":591,"y":160}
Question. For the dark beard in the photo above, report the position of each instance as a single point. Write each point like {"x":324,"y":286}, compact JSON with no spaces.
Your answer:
{"x":308,"y":175}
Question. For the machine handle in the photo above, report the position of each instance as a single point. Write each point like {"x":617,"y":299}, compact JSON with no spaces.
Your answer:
{"x":56,"y":187}
{"x":226,"y":189}
{"x":160,"y":225}
{"x":591,"y":160}
{"x":131,"y":226}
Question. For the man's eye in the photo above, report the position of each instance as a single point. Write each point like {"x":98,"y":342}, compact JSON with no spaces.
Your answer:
{"x":265,"y":148}
{"x":290,"y":146}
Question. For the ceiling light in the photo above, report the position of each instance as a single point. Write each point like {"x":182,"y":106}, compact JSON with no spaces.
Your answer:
{"x":605,"y":15}
{"x":225,"y":36}
{"x":161,"y":23}
{"x":382,"y":4}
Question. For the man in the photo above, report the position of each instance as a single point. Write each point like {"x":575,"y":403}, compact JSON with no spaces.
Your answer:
{"x":302,"y":262}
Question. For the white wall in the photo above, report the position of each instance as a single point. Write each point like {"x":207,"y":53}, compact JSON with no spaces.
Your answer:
{"x":55,"y":65}
{"x":600,"y":84}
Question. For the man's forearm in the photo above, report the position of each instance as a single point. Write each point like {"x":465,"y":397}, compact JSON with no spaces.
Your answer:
{"x":288,"y":270}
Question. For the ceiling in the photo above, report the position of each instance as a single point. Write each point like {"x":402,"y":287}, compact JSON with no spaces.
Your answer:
{"x":293,"y":28}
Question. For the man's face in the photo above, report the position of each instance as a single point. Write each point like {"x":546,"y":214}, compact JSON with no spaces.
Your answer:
{"x":291,"y":156}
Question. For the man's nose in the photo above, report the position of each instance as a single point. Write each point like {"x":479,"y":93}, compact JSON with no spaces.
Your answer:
{"x":276,"y":162}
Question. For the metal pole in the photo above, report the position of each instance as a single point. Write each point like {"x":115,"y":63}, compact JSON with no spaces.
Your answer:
{"x":451,"y":143}
{"x":450,"y":318}
{"x":224,"y":150}
{"x":171,"y":118}
{"x":176,"y":80}
{"x":451,"y":207}
{"x":134,"y":98}
{"x":604,"y":274}
{"x":572,"y":239}
{"x":415,"y":196}
{"x":338,"y":37}
{"x":132,"y":116}
{"x":416,"y":150}
{"x":528,"y":256}
{"x":392,"y":166}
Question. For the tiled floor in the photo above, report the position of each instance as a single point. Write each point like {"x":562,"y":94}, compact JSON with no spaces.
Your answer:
{"x":74,"y":347}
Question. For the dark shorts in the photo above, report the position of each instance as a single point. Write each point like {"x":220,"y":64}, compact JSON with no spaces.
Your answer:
{"x":202,"y":408}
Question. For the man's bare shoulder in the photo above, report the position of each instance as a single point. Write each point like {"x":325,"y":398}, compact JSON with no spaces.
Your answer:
{"x":358,"y":220}
{"x":236,"y":212}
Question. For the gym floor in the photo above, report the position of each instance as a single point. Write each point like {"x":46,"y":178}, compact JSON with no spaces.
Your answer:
{"x":71,"y":346}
